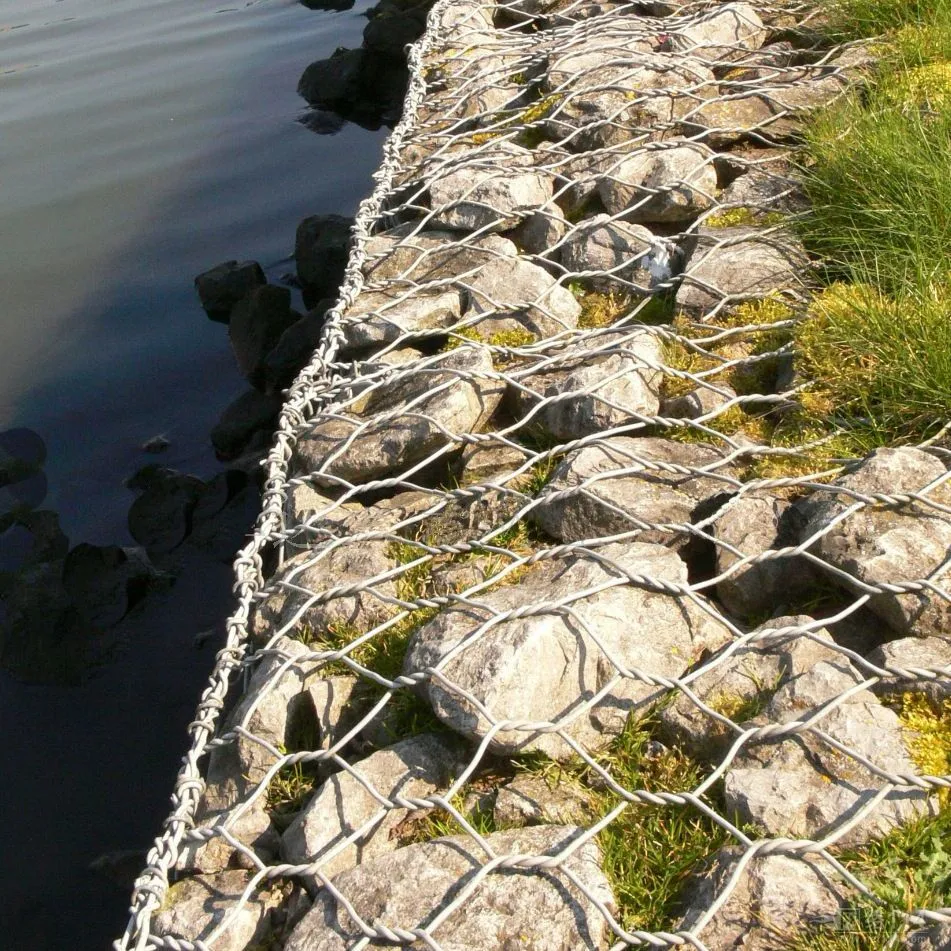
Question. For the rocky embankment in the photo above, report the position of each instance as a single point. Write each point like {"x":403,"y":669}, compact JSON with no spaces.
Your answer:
{"x":551,"y":497}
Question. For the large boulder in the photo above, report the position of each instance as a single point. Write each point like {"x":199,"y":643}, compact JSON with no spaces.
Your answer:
{"x":883,"y":543}
{"x":405,"y":420}
{"x":579,"y":622}
{"x":406,"y":889}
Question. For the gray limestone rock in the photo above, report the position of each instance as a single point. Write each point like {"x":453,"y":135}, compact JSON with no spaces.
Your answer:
{"x":671,"y":183}
{"x":624,"y":251}
{"x":220,"y":288}
{"x":301,"y":591}
{"x":406,"y":419}
{"x":196,"y":906}
{"x":726,"y":32}
{"x":800,"y":787}
{"x":699,"y":402}
{"x":775,"y":900}
{"x":492,"y":192}
{"x":542,"y":911}
{"x":728,"y":268}
{"x":543,"y":665}
{"x":911,"y":654}
{"x":347,"y":806}
{"x":541,"y":232}
{"x":623,"y":484}
{"x":531,"y":800}
{"x":488,"y":462}
{"x":761,"y":192}
{"x":378,"y":318}
{"x":735,"y":682}
{"x":891,"y":544}
{"x":514,"y":294}
{"x":936,"y":937}
{"x":602,"y":382}
{"x":754,"y":525}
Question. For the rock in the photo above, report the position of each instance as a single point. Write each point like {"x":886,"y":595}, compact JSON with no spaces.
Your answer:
{"x":936,"y":937}
{"x":194,"y":907}
{"x":225,"y":284}
{"x":737,"y":681}
{"x":801,"y":788}
{"x":911,"y":654}
{"x":226,"y":531}
{"x":604,"y":382}
{"x":345,"y":807}
{"x":300,"y":592}
{"x":294,"y":349}
{"x":488,"y":462}
{"x":732,"y":118}
{"x":672,"y":183}
{"x":378,"y":318}
{"x":540,"y":667}
{"x":611,"y":96}
{"x":492,"y":191}
{"x":257,"y":322}
{"x":395,"y":29}
{"x":105,"y":582}
{"x":155,"y":444}
{"x":514,"y":294}
{"x":530,"y":800}
{"x":409,"y":259}
{"x":160,"y":518}
{"x":722,"y":34}
{"x":621,"y":484}
{"x":775,"y":900}
{"x":333,"y":82}
{"x":33,"y":538}
{"x":729,"y":268}
{"x":703,"y":401}
{"x":752,"y":526}
{"x":336,"y":714}
{"x":321,"y":248}
{"x":542,"y":911}
{"x":251,"y":412}
{"x":888,"y":544}
{"x":620,"y":255}
{"x":541,"y":232}
{"x":762,"y":192}
{"x":405,"y":420}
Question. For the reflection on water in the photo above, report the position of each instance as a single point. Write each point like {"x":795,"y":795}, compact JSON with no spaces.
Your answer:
{"x":141,"y":142}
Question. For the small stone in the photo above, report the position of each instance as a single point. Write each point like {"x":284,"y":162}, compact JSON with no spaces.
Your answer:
{"x":618,"y":253}
{"x":917,"y":653}
{"x":703,"y":401}
{"x":671,"y":183}
{"x":541,"y":232}
{"x":256,"y":325}
{"x":321,"y":249}
{"x":777,"y":898}
{"x":250,"y":413}
{"x":224,"y":285}
{"x":406,"y":889}
{"x":194,"y":907}
{"x":530,"y":800}
{"x":411,"y":769}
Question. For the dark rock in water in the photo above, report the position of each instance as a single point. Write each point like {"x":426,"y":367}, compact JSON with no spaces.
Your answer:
{"x":250,"y":412}
{"x":390,"y":32}
{"x":294,"y":349}
{"x":104,"y":582}
{"x":21,"y":496}
{"x":160,"y":518}
{"x":321,"y":248}
{"x":122,"y":867}
{"x":225,"y":284}
{"x":257,"y":323}
{"x":322,"y":121}
{"x":33,"y":538}
{"x":155,"y":445}
{"x":23,"y":445}
{"x":336,"y":5}
{"x":333,"y":82}
{"x":221,"y":535}
{"x":219,"y":492}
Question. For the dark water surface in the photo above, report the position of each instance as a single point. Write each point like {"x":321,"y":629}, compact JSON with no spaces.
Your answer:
{"x":141,"y":142}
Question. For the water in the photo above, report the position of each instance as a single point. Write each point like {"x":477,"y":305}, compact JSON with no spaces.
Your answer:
{"x":141,"y":142}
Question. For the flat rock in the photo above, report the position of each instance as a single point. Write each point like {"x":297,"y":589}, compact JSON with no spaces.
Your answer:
{"x":543,"y":666}
{"x":531,"y":800}
{"x":344,"y":806}
{"x":775,"y":900}
{"x":220,"y":288}
{"x":541,"y":911}
{"x":405,"y":420}
{"x":194,"y":907}
{"x":801,"y":788}
{"x":622,"y":484}
{"x":736,"y":681}
{"x":881,"y":544}
{"x":378,"y":318}
{"x":618,"y":255}
{"x":602,"y":382}
{"x":671,"y":183}
{"x":514,"y":294}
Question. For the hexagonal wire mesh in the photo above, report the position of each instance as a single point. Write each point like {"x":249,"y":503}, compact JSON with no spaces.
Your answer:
{"x":542,"y":506}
